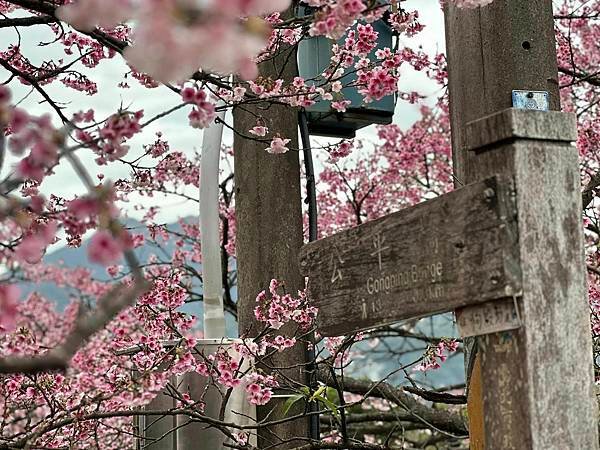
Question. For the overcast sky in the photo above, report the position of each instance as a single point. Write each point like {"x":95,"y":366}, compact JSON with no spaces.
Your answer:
{"x":175,"y":127}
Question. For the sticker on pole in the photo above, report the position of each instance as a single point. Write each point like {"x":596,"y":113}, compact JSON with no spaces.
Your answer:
{"x":538,"y":100}
{"x":490,"y":317}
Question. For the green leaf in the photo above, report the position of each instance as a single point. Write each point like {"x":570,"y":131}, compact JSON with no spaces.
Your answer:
{"x":290,"y":402}
{"x":305,"y":390}
{"x":331,"y":393}
{"x":317,"y":393}
{"x":329,"y":405}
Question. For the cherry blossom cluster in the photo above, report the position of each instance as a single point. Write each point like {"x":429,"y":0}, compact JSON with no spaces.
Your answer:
{"x":406,"y":22}
{"x":339,"y":349}
{"x":85,"y":212}
{"x":436,"y":354}
{"x":98,"y":379}
{"x":35,"y":239}
{"x":357,"y":184}
{"x":167,"y":292}
{"x":594,"y":294}
{"x":224,"y":368}
{"x":9,"y":297}
{"x":404,"y":168}
{"x":221,"y":36}
{"x":106,"y":247}
{"x":298,"y":93}
{"x":377,"y":83}
{"x":174,"y":169}
{"x":363,"y":39}
{"x":339,"y":151}
{"x":280,"y":35}
{"x":203,"y":112}
{"x":260,"y":388}
{"x":91,"y":50}
{"x":36,"y":134}
{"x":43,"y":73}
{"x":115,"y":132}
{"x":276,"y":310}
{"x":158,"y":147}
{"x":334,"y":17}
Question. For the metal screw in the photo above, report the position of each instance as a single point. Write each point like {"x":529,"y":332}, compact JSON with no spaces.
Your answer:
{"x":489,"y":194}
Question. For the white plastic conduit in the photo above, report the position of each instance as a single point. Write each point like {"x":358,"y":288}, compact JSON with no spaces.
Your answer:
{"x":214,"y":315}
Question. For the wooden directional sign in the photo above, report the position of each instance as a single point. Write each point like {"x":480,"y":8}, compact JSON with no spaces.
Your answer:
{"x":456,"y":250}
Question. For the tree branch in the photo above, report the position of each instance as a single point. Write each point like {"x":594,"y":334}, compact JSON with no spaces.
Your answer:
{"x":86,"y":325}
{"x":27,"y":21}
{"x":590,"y":190}
{"x":592,"y":79}
{"x":446,"y":421}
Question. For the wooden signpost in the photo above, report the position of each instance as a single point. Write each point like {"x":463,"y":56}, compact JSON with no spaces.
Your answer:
{"x":455,"y":250}
{"x":506,"y":254}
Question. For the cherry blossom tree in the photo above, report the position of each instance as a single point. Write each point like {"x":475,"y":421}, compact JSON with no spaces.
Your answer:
{"x":79,"y":377}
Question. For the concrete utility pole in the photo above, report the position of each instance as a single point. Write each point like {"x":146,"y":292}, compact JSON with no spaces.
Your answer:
{"x":269,"y":227}
{"x":538,"y":379}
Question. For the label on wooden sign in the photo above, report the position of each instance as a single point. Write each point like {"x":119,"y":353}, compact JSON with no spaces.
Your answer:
{"x":456,"y":250}
{"x":490,"y":317}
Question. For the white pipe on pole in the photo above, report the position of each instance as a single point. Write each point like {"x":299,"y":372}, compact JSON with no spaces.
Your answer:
{"x":214,"y":315}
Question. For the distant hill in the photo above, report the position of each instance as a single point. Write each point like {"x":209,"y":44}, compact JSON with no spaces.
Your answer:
{"x":77,"y":257}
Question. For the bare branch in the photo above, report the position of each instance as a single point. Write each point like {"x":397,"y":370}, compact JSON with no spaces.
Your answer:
{"x":590,"y":190}
{"x":27,"y":21}
{"x":446,"y":421}
{"x":580,"y":75}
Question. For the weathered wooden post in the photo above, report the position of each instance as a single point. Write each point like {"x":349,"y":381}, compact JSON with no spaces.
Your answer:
{"x":538,"y":379}
{"x":506,"y":252}
{"x":268,"y":207}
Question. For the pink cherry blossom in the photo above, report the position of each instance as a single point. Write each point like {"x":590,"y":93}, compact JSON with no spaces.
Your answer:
{"x":334,"y":18}
{"x":259,"y":130}
{"x":436,"y":355}
{"x":278,"y":145}
{"x":27,"y":168}
{"x":358,"y":181}
{"x":18,"y":120}
{"x":86,"y":15}
{"x":340,"y":151}
{"x":9,"y":296}
{"x":5,"y":95}
{"x":222,"y":44}
{"x":33,"y":246}
{"x":276,"y":310}
{"x":341,"y":105}
{"x":104,"y":249}
{"x":204,"y":111}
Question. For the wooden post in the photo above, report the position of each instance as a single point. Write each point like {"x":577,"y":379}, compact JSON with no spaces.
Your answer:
{"x":537,"y":381}
{"x":269,"y":227}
